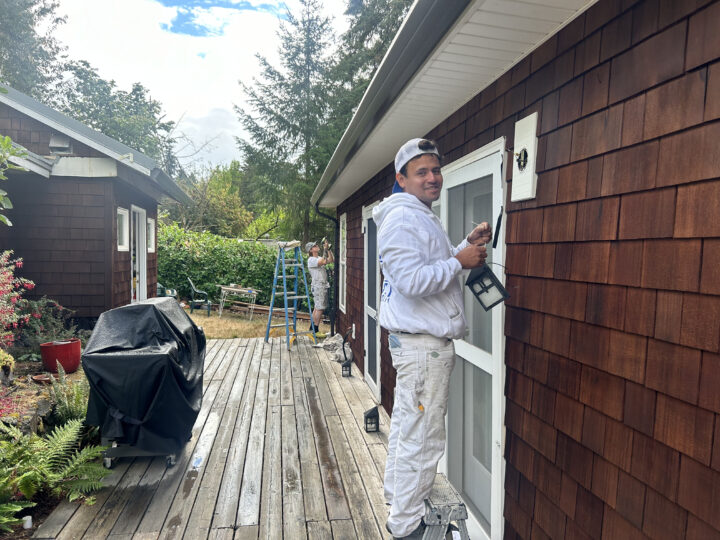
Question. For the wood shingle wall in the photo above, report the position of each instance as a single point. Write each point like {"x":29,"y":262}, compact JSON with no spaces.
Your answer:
{"x":65,"y":228}
{"x":613,"y":327}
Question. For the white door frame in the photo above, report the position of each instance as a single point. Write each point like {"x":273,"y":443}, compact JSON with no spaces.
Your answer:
{"x":141,"y":250}
{"x":367,"y":310}
{"x":482,"y":162}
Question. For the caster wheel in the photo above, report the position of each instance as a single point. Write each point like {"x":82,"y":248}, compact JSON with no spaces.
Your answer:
{"x":170,"y":460}
{"x":108,"y":463}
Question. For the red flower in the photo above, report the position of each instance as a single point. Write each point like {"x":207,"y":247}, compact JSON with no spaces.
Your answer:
{"x":18,"y":264}
{"x":36,"y":315}
{"x":30,"y":286}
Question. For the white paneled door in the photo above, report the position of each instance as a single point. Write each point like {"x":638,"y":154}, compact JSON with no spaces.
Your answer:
{"x":473,"y":192}
{"x":372,"y":304}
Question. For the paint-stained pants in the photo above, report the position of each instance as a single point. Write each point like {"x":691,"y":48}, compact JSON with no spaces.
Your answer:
{"x":417,"y":428}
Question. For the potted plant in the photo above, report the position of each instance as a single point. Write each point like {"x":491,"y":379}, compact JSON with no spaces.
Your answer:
{"x":65,"y":352}
{"x":50,"y":329}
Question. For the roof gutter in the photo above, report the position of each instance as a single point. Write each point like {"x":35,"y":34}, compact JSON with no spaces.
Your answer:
{"x":169,"y":187}
{"x":422,"y":31}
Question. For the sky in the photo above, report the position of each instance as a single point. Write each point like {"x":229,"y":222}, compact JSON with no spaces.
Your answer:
{"x":190,"y":54}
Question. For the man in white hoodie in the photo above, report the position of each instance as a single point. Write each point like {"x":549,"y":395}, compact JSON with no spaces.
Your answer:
{"x":422,"y":308}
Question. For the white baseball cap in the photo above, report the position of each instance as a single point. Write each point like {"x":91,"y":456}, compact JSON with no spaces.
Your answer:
{"x":412,"y":149}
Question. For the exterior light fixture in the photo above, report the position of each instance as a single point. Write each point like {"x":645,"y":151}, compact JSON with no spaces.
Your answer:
{"x":486,"y":287}
{"x":372,"y":420}
{"x":347,"y":364}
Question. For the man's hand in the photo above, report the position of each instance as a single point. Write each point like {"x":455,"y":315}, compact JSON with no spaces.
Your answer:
{"x":480,"y":235}
{"x":472,"y":256}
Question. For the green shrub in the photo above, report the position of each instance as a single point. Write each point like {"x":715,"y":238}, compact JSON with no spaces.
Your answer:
{"x":44,"y":320}
{"x":54,"y":464}
{"x":70,"y":398}
{"x":8,"y":511}
{"x":211,"y":260}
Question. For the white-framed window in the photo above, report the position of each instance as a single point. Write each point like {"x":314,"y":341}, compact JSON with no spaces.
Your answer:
{"x":151,"y":235}
{"x":123,"y":229}
{"x":342,"y":270}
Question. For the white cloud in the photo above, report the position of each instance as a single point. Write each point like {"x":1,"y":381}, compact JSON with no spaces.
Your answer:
{"x":194,"y":77}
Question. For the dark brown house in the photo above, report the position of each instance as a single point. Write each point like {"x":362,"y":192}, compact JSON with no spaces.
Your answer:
{"x":588,"y":406}
{"x":85,"y":209}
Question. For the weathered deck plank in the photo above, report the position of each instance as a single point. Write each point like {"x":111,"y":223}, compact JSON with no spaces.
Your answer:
{"x":278,"y":451}
{"x":227,"y":505}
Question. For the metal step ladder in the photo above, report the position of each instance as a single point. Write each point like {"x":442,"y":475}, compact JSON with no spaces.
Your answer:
{"x":289,"y":258}
{"x":442,"y":507}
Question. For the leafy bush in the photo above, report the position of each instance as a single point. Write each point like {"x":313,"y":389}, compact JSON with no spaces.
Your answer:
{"x":43,"y":320}
{"x":70,"y":398}
{"x":54,"y":464}
{"x":8,"y":511}
{"x":211,"y":260}
{"x":11,"y":291}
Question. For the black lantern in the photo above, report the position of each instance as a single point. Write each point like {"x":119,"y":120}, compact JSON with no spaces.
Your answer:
{"x":372,"y":420}
{"x":347,"y":364}
{"x":486,"y":287}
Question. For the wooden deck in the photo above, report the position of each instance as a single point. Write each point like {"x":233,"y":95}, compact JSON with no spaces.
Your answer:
{"x":278,"y":451}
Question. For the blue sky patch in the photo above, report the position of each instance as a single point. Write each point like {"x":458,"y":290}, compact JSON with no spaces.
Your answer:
{"x":188,"y":20}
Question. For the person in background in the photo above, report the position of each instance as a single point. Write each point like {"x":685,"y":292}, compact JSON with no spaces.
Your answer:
{"x":422,"y":308}
{"x":319,"y":281}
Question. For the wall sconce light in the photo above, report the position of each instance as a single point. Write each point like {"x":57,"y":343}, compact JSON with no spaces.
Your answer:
{"x":347,"y":364}
{"x":372,"y":420}
{"x":486,"y":287}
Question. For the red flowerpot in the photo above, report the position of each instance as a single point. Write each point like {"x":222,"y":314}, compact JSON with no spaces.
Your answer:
{"x":67,"y":352}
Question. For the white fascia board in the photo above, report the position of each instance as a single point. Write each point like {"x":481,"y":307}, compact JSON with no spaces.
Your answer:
{"x":84,"y":167}
{"x":30,"y":166}
{"x":124,"y":158}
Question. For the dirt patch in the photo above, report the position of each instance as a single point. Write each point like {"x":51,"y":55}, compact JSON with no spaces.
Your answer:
{"x":20,"y":401}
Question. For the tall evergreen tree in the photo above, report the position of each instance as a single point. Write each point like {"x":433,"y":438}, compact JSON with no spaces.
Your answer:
{"x":285,"y":154}
{"x":373,"y":25}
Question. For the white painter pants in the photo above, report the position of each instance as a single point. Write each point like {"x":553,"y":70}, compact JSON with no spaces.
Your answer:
{"x":417,"y":428}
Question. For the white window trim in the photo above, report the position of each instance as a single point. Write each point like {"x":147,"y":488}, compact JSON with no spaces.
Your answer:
{"x":152,"y":237}
{"x":126,"y":225}
{"x":342,"y":271}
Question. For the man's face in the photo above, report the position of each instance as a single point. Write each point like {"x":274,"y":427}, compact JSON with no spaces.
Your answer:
{"x":314,"y":251}
{"x":423,"y":179}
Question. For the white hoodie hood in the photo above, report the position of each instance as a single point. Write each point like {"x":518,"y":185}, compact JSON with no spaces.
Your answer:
{"x":421,"y":291}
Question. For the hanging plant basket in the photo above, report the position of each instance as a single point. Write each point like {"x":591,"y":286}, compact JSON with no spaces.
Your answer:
{"x":67,"y":352}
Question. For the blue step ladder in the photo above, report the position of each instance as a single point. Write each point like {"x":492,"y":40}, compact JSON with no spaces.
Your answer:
{"x":289,"y":258}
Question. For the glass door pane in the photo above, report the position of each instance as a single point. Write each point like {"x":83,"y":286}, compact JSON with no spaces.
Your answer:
{"x":372,"y":258}
{"x":472,"y":203}
{"x":477,"y":443}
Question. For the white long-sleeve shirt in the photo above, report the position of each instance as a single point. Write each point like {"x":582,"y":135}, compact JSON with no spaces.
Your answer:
{"x":421,"y":290}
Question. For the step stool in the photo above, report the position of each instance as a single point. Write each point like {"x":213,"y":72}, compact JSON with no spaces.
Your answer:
{"x":442,"y":507}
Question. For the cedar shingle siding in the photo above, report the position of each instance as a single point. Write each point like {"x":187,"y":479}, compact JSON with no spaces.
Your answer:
{"x":613,"y":327}
{"x":65,"y":228}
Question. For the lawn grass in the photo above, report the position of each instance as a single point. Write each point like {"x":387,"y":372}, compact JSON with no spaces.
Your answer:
{"x":232,"y":325}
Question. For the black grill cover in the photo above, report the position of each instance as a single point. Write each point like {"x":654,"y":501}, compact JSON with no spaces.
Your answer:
{"x":144,"y":363}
